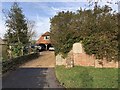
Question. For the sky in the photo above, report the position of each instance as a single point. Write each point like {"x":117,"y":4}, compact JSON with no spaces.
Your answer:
{"x":41,"y":12}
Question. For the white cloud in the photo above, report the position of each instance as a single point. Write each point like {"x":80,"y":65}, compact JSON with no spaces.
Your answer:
{"x":65,"y":9}
{"x":2,"y":23}
{"x":43,"y":22}
{"x":43,"y":0}
{"x":42,"y":25}
{"x":55,"y":0}
{"x":2,"y":29}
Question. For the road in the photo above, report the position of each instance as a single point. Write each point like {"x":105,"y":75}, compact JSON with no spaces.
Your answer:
{"x":38,"y":73}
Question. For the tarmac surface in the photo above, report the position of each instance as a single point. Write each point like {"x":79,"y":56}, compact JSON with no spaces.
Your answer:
{"x":33,"y":74}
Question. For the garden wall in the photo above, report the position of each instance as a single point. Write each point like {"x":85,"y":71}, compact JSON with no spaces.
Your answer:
{"x":60,"y":60}
{"x":80,"y":58}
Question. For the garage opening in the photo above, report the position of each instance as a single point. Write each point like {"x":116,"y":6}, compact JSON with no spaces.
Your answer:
{"x":43,"y":46}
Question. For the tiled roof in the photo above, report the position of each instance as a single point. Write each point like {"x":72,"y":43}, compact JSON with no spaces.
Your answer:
{"x":41,"y":39}
{"x":45,"y":34}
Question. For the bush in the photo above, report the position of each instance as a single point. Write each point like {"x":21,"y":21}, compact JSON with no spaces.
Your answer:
{"x":14,"y":63}
{"x":97,"y":29}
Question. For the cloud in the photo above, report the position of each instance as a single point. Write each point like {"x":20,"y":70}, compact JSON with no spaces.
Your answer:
{"x":41,"y":12}
{"x":43,"y":0}
{"x":2,"y":28}
{"x":55,"y":0}
{"x":49,"y":10}
{"x":42,"y":25}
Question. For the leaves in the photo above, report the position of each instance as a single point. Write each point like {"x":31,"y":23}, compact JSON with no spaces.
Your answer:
{"x":97,"y":29}
{"x":17,"y":26}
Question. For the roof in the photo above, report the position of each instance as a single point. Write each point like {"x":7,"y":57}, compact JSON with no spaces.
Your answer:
{"x":41,"y":39}
{"x":46,"y":33}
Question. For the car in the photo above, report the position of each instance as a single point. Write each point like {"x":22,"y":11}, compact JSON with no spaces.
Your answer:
{"x":38,"y":48}
{"x":51,"y":48}
{"x":32,"y":46}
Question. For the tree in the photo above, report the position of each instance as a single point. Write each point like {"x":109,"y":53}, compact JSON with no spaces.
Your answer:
{"x":31,"y":31}
{"x":16,"y":26}
{"x":61,"y":32}
{"x":102,"y":41}
{"x":17,"y":30}
{"x":97,"y":29}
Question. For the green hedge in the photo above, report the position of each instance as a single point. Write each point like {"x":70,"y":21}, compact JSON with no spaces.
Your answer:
{"x":96,"y":28}
{"x":14,"y":63}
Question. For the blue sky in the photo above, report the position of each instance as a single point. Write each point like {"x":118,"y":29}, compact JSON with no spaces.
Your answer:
{"x":41,"y":12}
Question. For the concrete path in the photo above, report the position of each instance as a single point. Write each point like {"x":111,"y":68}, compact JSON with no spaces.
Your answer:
{"x":37,"y":73}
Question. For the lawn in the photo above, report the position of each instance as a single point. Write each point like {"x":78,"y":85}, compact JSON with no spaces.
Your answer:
{"x":87,"y":77}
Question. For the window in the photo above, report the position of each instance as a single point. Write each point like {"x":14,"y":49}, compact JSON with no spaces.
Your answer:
{"x":46,"y":37}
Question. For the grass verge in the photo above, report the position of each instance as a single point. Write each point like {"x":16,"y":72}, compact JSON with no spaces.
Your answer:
{"x":87,"y":77}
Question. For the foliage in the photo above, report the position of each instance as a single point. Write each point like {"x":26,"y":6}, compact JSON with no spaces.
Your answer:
{"x":97,"y":29}
{"x":62,"y":36}
{"x":102,"y":41}
{"x":87,"y":77}
{"x":16,"y":26}
{"x":16,"y":62}
{"x":19,"y":30}
{"x":16,"y":50}
{"x":4,"y":52}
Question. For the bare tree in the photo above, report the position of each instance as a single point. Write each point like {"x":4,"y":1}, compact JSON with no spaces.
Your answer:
{"x":31,"y":31}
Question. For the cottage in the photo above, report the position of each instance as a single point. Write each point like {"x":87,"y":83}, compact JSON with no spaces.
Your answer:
{"x":44,"y":40}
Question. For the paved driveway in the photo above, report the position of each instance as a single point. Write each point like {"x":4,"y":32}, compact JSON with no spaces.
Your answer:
{"x":37,"y":73}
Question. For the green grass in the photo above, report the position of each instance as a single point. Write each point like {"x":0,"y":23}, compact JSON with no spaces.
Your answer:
{"x":87,"y":77}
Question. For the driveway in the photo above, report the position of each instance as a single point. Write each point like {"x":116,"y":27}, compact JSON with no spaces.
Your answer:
{"x":38,"y":73}
{"x":46,"y":59}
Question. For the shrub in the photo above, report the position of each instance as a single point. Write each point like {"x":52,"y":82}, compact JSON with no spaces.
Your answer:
{"x":97,"y":29}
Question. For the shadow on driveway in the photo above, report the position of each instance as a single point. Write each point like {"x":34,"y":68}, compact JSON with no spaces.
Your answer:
{"x":31,"y":78}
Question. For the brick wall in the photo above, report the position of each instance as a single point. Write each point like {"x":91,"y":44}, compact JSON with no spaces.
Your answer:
{"x":83,"y":59}
{"x":80,"y":58}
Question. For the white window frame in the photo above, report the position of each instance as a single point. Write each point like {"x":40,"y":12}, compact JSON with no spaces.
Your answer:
{"x":46,"y":37}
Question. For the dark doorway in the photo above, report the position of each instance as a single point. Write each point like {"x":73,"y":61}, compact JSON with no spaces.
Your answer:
{"x":43,"y":47}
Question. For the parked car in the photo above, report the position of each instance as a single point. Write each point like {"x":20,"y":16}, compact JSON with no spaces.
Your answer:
{"x":38,"y":48}
{"x":51,"y":48}
{"x":32,"y":46}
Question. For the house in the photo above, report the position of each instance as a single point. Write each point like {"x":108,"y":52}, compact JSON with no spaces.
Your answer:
{"x":44,"y":40}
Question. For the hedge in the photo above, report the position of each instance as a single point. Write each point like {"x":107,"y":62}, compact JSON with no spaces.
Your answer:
{"x":16,"y":62}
